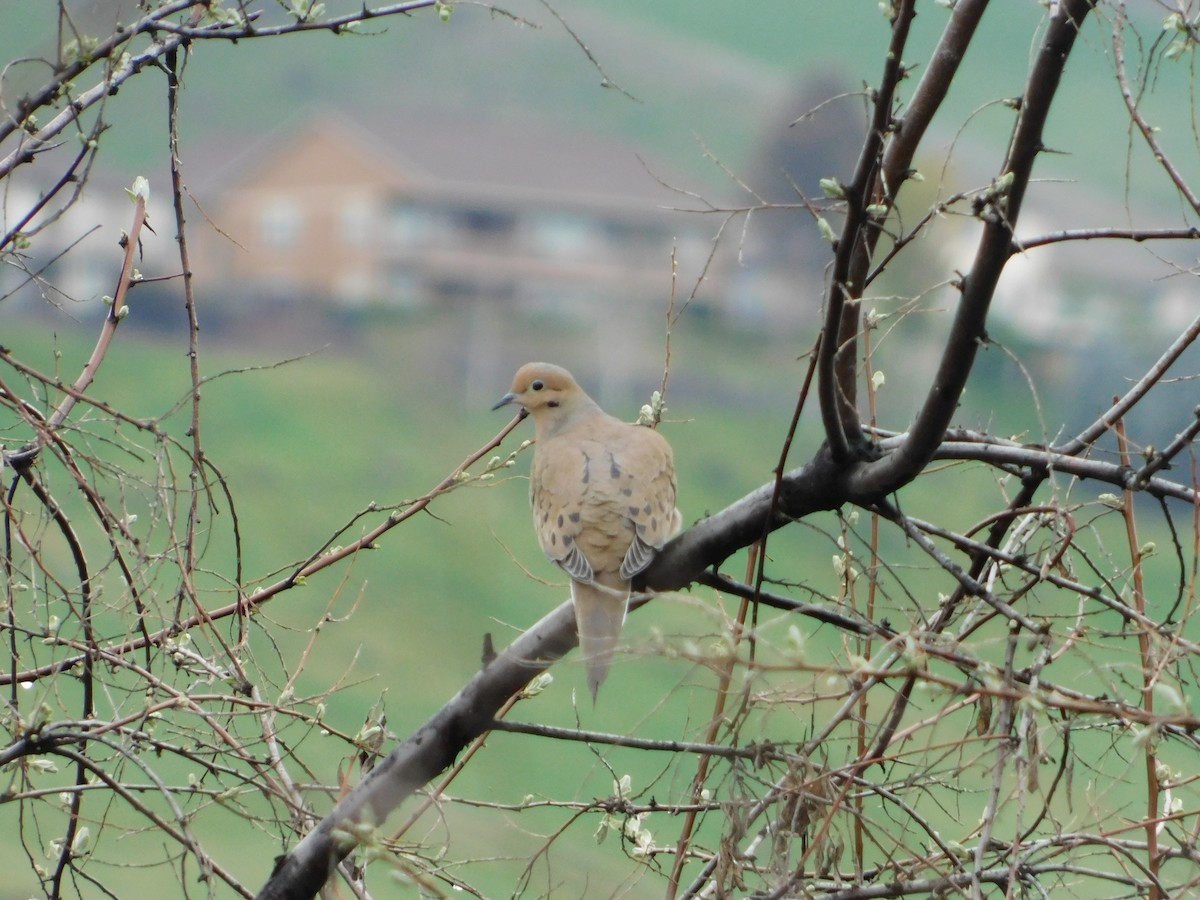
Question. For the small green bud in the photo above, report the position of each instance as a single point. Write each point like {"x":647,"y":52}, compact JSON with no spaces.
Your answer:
{"x":831,"y":187}
{"x":139,"y":190}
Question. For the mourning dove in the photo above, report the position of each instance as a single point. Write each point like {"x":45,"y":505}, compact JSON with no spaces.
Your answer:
{"x":603,"y":497}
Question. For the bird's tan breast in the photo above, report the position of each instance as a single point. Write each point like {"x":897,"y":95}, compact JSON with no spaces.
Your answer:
{"x":599,"y":486}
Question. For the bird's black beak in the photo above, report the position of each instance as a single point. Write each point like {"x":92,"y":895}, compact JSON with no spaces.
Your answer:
{"x":505,"y":400}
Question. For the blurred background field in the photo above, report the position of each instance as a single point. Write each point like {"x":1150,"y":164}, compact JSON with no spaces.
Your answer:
{"x":318,"y":407}
{"x":372,"y":416}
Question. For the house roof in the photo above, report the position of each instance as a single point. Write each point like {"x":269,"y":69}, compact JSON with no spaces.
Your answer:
{"x":508,"y":154}
{"x":500,"y":160}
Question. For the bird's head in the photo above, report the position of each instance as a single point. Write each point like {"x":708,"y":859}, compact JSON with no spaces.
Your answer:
{"x":548,"y":393}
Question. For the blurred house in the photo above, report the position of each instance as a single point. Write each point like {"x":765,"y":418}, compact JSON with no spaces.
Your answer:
{"x":428,"y":210}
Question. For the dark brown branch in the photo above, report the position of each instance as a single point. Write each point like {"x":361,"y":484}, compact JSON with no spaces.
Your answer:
{"x":837,"y":351}
{"x":966,"y":582}
{"x":814,"y":487}
{"x":71,"y":71}
{"x":84,"y":613}
{"x":116,"y":76}
{"x":968,"y":330}
{"x":1153,"y":375}
{"x":1042,"y":461}
{"x":168,"y":36}
{"x":334,"y":24}
{"x":753,"y":751}
{"x":1161,"y":459}
{"x":70,"y":176}
{"x":429,"y":751}
{"x":819,"y":611}
{"x":820,"y":486}
{"x":930,"y":93}
{"x":1018,"y":562}
{"x":1136,"y":235}
{"x":433,"y":747}
{"x":1144,"y":128}
{"x":880,"y":173}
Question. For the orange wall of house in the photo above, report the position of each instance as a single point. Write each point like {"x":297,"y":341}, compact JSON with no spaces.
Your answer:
{"x":322,"y":175}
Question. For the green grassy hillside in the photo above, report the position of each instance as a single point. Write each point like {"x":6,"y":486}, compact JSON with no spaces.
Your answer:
{"x":306,"y":446}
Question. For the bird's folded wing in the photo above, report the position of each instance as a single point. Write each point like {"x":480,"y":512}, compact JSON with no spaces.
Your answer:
{"x":649,"y":494}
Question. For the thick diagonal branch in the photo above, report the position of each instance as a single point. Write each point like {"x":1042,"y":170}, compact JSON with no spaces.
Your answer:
{"x":427,"y":752}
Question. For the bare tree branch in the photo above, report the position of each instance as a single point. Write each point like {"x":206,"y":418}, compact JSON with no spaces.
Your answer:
{"x":427,"y":752}
{"x":969,"y":327}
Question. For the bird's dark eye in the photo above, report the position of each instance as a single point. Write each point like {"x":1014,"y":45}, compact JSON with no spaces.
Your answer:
{"x":537,"y":385}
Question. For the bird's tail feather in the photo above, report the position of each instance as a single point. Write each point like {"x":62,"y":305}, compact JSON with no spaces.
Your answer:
{"x":599,"y":614}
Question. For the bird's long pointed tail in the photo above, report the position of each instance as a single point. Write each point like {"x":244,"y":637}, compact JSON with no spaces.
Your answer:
{"x":599,"y":614}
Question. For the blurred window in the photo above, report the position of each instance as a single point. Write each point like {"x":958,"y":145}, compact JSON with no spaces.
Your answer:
{"x":357,"y":222}
{"x":563,"y":235}
{"x":281,"y":223}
